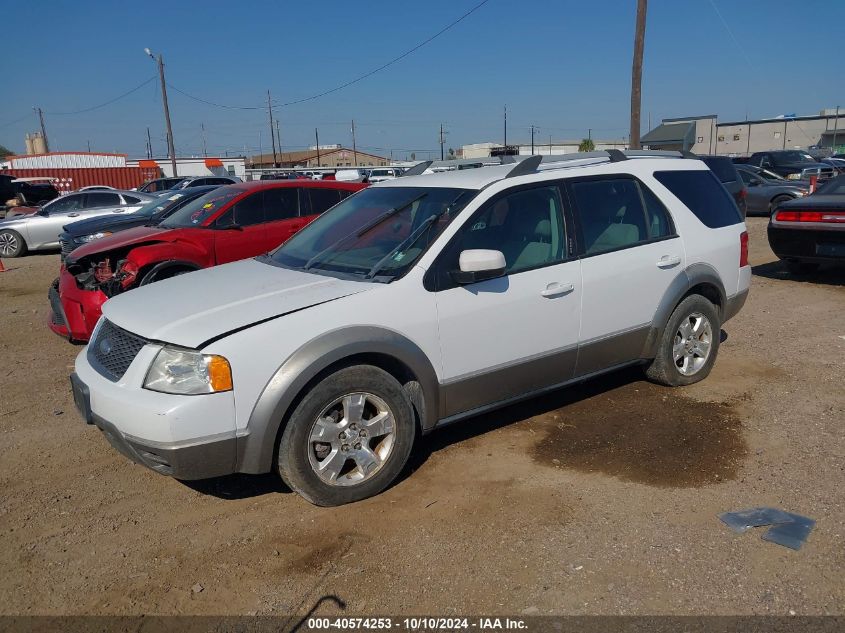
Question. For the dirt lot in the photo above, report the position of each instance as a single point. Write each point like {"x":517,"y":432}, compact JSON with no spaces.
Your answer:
{"x":600,"y":499}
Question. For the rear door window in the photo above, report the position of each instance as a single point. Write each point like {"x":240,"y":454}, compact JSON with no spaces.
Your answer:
{"x":281,"y":203}
{"x":323,"y":199}
{"x":702,"y":193}
{"x":612,"y":214}
{"x":102,"y":199}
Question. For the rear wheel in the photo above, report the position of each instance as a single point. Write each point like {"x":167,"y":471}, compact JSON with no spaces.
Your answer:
{"x":348,"y":438}
{"x":687,"y":351}
{"x":11,"y":244}
{"x":777,"y":201}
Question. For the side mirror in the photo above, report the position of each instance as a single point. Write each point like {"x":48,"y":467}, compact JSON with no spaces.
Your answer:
{"x":479,"y":265}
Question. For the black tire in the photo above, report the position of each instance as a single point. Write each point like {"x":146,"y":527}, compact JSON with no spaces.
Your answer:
{"x":164,"y":273}
{"x":777,"y":201}
{"x":11,"y":244}
{"x":797,"y":267}
{"x":663,"y":369}
{"x":295,"y":448}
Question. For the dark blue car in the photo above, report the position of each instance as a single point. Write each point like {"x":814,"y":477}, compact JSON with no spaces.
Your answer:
{"x":84,"y":231}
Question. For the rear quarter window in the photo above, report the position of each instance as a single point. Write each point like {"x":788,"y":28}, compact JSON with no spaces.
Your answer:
{"x":722,"y":167}
{"x":703,"y":194}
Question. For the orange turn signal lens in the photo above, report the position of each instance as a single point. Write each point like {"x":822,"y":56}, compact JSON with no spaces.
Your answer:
{"x":219,"y":373}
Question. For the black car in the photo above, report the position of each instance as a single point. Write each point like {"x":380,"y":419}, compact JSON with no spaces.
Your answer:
{"x":160,"y":184}
{"x":725,"y":170}
{"x":792,"y":164}
{"x":84,"y":231}
{"x":808,"y":231}
{"x":27,"y":193}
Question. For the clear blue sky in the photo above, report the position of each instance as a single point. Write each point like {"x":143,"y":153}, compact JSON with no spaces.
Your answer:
{"x":562,"y":65}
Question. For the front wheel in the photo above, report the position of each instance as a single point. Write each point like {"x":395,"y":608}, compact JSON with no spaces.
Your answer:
{"x":689,"y":345}
{"x":348,"y":438}
{"x":11,"y":244}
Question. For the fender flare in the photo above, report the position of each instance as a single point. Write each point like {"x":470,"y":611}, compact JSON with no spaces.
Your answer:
{"x":693,"y":275}
{"x":257,"y":448}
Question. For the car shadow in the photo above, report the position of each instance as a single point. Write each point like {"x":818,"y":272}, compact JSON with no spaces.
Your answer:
{"x":827,"y":274}
{"x":239,"y":486}
{"x":483,"y":423}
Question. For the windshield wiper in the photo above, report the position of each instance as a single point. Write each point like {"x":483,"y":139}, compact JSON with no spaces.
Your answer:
{"x":364,"y":229}
{"x":404,"y":245}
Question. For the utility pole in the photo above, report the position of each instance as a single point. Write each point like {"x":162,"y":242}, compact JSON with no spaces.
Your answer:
{"x":317,"y":140}
{"x":204,"y":149}
{"x":149,"y":144}
{"x":441,"y":141}
{"x":89,"y":147}
{"x":835,"y":129}
{"x":279,"y":140}
{"x":354,"y":146}
{"x":43,"y":129}
{"x":272,"y":132}
{"x":532,"y":140}
{"x":506,"y":126}
{"x":637,"y":74}
{"x":170,"y":148}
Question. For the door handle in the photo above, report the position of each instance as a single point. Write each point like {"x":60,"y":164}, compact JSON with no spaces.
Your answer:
{"x":667,"y":261}
{"x":555,"y":289}
{"x":73,"y":215}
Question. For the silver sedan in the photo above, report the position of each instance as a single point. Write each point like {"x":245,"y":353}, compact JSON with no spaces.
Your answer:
{"x":40,"y":231}
{"x":766,"y":190}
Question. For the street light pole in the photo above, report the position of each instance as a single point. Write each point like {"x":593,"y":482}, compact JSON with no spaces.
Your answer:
{"x":170,"y":148}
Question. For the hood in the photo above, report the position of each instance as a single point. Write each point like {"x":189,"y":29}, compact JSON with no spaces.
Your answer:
{"x":103,"y":223}
{"x":130,"y":237}
{"x":190,"y":310}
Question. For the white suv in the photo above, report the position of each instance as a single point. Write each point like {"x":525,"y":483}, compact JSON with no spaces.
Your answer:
{"x":412,"y":304}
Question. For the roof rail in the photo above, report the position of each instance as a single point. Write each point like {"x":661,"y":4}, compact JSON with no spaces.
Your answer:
{"x":418,"y":169}
{"x":527,"y":166}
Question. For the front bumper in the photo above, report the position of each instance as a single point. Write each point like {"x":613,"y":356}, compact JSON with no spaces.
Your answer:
{"x":807,"y":244}
{"x":185,"y":437}
{"x":75,"y":311}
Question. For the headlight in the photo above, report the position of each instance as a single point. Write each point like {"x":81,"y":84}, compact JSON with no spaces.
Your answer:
{"x":187,"y":372}
{"x":94,"y":236}
{"x":793,"y":177}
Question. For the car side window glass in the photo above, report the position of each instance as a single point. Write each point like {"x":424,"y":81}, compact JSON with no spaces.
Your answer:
{"x":131,"y":199}
{"x":657,"y":217}
{"x":281,"y":203}
{"x":323,"y":199}
{"x":250,"y":210}
{"x":611,"y":214}
{"x":66,"y":203}
{"x":103,"y":199}
{"x":746,"y":177}
{"x":526,"y":226}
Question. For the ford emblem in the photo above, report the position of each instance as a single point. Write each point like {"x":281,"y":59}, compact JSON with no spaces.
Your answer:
{"x":105,"y":346}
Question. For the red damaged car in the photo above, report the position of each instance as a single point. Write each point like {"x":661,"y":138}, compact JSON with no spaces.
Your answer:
{"x":230,"y":223}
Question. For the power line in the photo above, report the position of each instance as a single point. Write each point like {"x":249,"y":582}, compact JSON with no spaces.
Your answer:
{"x":8,"y":123}
{"x":109,"y":102}
{"x":348,"y":83}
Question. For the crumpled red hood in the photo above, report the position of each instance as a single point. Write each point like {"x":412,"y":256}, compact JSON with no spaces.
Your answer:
{"x":130,"y":237}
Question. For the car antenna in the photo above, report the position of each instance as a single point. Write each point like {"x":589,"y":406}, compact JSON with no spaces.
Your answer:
{"x":419,"y":168}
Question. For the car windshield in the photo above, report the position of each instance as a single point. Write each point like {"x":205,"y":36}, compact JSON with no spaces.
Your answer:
{"x":159,"y":204}
{"x":376,"y":234}
{"x":196,"y":212}
{"x":793,"y":157}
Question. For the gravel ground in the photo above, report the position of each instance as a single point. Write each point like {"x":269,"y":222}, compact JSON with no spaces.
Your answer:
{"x":599,"y":499}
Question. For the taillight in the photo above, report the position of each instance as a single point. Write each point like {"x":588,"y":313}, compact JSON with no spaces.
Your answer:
{"x":743,"y":193}
{"x":743,"y":249}
{"x":829,"y":217}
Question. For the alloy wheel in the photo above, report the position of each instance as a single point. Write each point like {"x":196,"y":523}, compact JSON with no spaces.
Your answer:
{"x":8,"y":244}
{"x":692,"y":344}
{"x":351,"y":439}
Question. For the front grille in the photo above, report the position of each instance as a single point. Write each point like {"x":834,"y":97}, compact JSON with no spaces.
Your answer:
{"x":113,"y":350}
{"x":67,"y":247}
{"x":56,"y":304}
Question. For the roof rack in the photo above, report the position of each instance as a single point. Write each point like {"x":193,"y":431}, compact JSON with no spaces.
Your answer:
{"x":579,"y":159}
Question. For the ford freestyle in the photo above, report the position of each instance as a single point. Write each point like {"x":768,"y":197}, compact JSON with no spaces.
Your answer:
{"x":413,"y":304}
